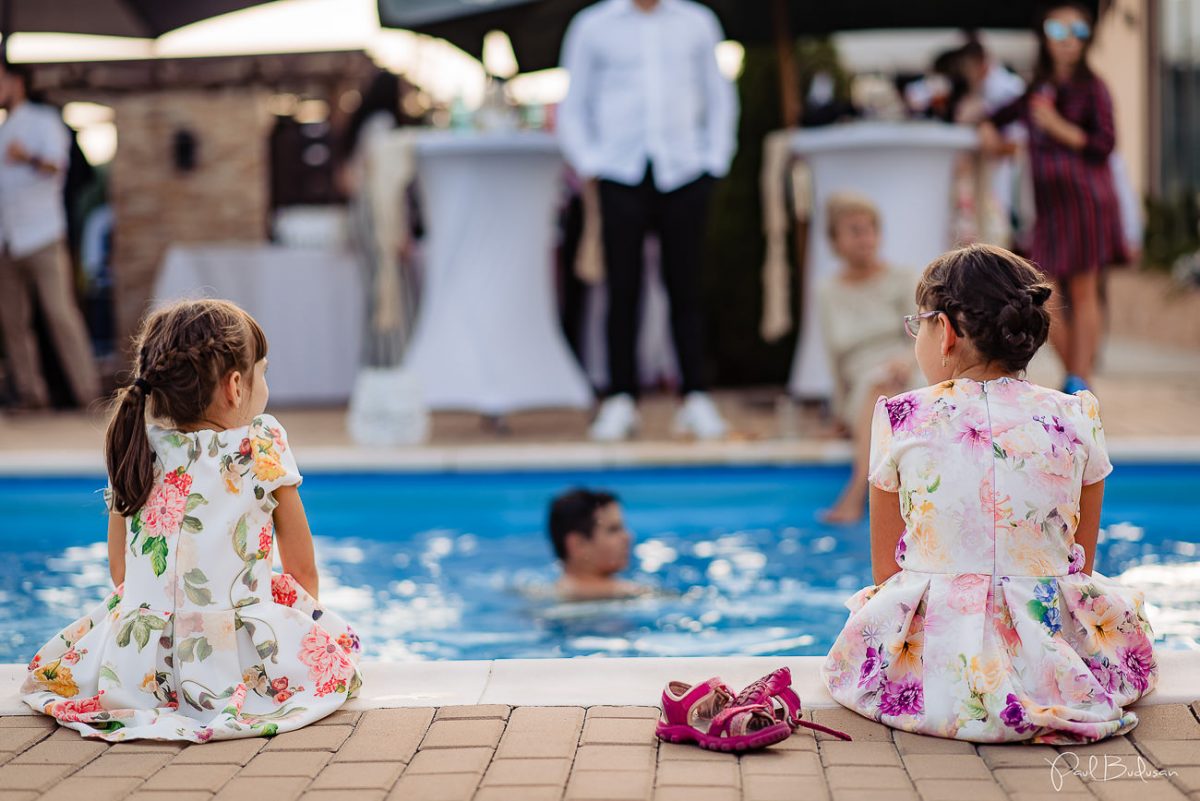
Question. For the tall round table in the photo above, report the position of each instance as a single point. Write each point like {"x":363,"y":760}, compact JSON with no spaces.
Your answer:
{"x":907,"y":169}
{"x":487,"y":337}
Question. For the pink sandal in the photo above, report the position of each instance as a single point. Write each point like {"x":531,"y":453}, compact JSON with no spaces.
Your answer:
{"x":705,"y":714}
{"x":774,"y":691}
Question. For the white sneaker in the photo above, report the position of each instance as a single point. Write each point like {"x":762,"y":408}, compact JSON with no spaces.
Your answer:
{"x":616,"y":420}
{"x":699,"y":418}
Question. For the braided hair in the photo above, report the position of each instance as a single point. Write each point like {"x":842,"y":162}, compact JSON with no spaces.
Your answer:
{"x":183,"y":353}
{"x":994,"y":297}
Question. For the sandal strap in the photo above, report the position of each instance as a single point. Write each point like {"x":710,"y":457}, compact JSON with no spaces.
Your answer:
{"x":737,"y":717}
{"x":678,"y":710}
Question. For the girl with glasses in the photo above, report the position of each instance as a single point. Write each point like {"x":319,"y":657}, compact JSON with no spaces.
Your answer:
{"x":1077,"y":232}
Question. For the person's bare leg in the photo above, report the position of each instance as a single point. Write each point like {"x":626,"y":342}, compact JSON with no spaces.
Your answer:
{"x":852,"y":503}
{"x":1085,"y":332}
{"x":1061,"y":329}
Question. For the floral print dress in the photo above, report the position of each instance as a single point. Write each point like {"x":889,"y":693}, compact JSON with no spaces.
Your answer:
{"x":991,"y":631}
{"x":201,"y":642}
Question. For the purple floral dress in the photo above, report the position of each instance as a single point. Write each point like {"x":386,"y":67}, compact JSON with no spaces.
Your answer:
{"x":991,"y":631}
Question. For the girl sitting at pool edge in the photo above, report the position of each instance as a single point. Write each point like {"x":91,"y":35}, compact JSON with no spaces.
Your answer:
{"x":199,"y":641}
{"x":986,"y":622}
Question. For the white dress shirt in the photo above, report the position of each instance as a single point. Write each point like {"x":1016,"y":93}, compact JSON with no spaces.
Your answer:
{"x":32,"y":214}
{"x":645,"y":88}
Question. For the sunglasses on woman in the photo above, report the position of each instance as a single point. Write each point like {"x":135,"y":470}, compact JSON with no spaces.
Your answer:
{"x":1061,"y":31}
{"x":912,"y":322}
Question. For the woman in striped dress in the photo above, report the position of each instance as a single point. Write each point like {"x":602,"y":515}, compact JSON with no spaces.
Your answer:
{"x":1069,"y":114}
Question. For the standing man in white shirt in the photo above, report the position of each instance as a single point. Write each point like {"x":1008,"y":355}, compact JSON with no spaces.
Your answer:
{"x":650,"y":117}
{"x":34,"y":148}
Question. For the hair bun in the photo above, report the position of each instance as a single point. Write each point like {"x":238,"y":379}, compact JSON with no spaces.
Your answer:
{"x":1040,"y":293}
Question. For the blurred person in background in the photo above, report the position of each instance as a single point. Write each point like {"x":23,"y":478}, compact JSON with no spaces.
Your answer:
{"x":1077,"y":234}
{"x":34,"y":263}
{"x":649,"y":118}
{"x":589,"y":537}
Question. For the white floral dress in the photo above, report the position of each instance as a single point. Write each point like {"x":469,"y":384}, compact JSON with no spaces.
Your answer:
{"x":991,"y":631}
{"x":201,"y":642}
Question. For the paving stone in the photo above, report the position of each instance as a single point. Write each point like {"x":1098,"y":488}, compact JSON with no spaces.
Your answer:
{"x":343,"y":717}
{"x":530,"y":772}
{"x":14,"y":739}
{"x":535,"y":732}
{"x":344,"y":795}
{"x":837,"y":752}
{"x":384,"y":742}
{"x":909,"y":743}
{"x":1051,"y":796}
{"x":1017,"y":755}
{"x":61,"y":752}
{"x":543,"y":793}
{"x":435,"y":787}
{"x":638,"y":712}
{"x":479,"y":711}
{"x":358,"y":776}
{"x":229,"y":752}
{"x":141,"y":766}
{"x":28,"y":722}
{"x":1166,"y":722}
{"x":148,"y":747}
{"x":306,"y":764}
{"x":31,"y":777}
{"x":18,"y":795}
{"x":802,"y":740}
{"x":260,"y":788}
{"x":698,"y":794}
{"x":1171,"y":753}
{"x":618,"y":731}
{"x":1113,"y":745}
{"x":615,"y":757}
{"x":855,"y":794}
{"x":784,"y":788}
{"x":458,"y":760}
{"x":698,"y":774}
{"x":1038,"y":780}
{"x":313,"y":738}
{"x":854,"y":777}
{"x":859,"y":728}
{"x":191,"y":777}
{"x":395,"y":722}
{"x":957,"y":790}
{"x":609,"y":785}
{"x":463,"y":734}
{"x":93,"y":789}
{"x":781,"y":763}
{"x":1159,"y":790}
{"x":672,"y":752}
{"x":1187,"y":779}
{"x":170,"y":795}
{"x":544,"y":718}
{"x":947,"y":766}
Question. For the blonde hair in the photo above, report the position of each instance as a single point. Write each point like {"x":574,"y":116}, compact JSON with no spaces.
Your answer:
{"x":843,"y":204}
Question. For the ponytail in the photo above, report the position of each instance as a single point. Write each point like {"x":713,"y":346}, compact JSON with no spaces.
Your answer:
{"x":127,"y":452}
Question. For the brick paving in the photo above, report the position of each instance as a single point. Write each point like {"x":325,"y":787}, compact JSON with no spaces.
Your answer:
{"x":497,"y":753}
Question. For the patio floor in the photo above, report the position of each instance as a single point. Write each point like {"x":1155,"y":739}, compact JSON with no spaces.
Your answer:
{"x":501,"y":753}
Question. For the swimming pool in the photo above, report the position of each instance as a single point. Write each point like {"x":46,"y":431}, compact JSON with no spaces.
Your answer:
{"x":455,"y":565}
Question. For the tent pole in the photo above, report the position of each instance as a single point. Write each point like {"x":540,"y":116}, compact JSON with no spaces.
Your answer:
{"x":785,"y":52}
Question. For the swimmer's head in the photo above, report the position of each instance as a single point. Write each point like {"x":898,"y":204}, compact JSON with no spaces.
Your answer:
{"x":588,"y":532}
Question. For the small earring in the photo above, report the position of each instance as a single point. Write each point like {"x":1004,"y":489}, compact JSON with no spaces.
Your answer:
{"x":944,"y":362}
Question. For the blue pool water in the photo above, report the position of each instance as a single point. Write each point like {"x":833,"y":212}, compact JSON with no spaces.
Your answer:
{"x":456,"y":565}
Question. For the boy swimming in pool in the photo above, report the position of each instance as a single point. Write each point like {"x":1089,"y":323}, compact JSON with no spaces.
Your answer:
{"x":591,"y":541}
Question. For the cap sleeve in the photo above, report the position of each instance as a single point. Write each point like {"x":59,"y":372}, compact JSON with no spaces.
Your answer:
{"x":1091,"y":433}
{"x":274,"y":464}
{"x":884,"y":472}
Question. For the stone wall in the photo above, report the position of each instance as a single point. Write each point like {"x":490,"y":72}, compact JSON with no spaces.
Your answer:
{"x":224,"y":198}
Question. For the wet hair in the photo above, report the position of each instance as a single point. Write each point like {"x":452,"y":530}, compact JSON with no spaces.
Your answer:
{"x":843,"y":204}
{"x":575,"y":510}
{"x":23,"y":74}
{"x":182,"y":354}
{"x":992,"y":296}
{"x":1044,"y":69}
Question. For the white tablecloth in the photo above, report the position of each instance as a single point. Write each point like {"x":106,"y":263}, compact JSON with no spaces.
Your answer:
{"x":906,"y":169}
{"x":309,"y":303}
{"x":487,"y":337}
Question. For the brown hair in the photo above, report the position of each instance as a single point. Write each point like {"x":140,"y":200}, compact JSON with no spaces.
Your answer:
{"x":182,"y":354}
{"x":994,"y":297}
{"x":843,"y":204}
{"x":1044,"y":70}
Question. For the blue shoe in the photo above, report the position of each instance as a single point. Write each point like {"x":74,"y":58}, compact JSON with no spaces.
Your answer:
{"x":1074,"y":384}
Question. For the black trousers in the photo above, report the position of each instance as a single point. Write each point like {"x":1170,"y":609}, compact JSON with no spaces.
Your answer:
{"x":679,"y":218}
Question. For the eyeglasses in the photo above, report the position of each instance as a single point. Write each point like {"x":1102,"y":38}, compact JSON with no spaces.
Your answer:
{"x":1060,"y":31}
{"x":912,"y":322}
